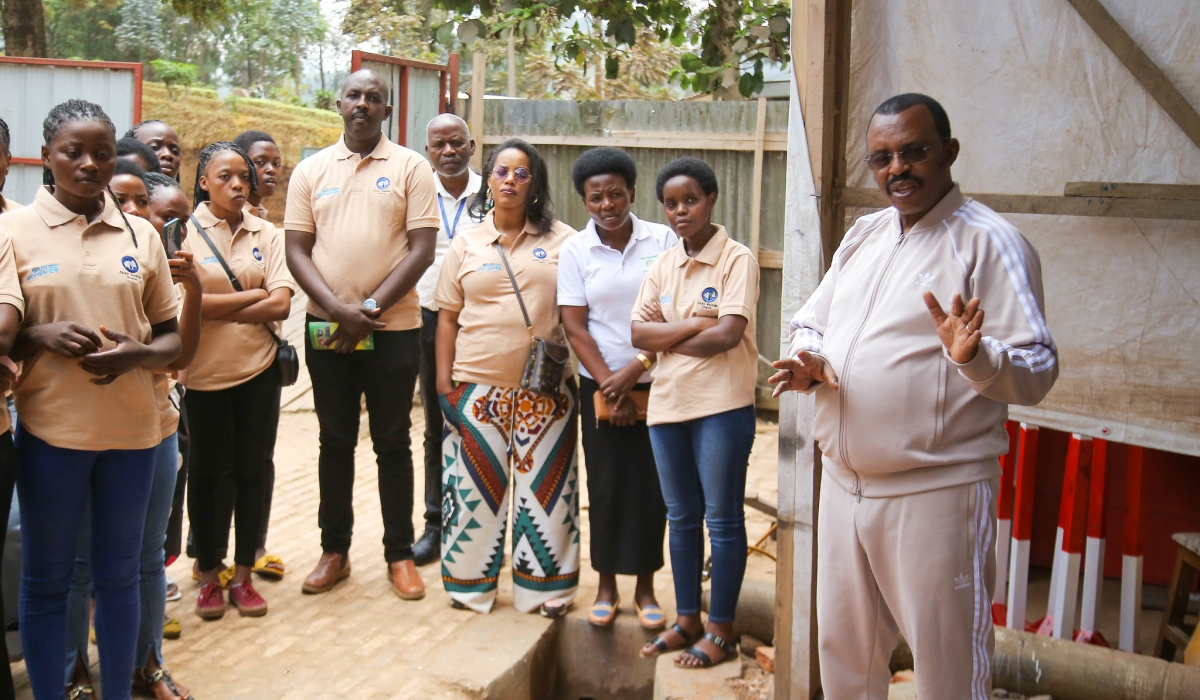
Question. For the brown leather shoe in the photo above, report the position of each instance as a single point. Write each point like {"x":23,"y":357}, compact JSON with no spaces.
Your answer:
{"x":406,"y":582}
{"x":331,"y":568}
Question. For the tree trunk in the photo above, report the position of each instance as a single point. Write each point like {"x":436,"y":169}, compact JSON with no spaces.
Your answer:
{"x":24,"y":28}
{"x":728,"y":20}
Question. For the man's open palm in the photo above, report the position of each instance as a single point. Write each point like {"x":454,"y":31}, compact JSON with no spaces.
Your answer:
{"x":959,"y":329}
{"x":800,"y":372}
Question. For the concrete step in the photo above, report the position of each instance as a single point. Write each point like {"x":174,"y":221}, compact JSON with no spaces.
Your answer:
{"x":673,"y":683}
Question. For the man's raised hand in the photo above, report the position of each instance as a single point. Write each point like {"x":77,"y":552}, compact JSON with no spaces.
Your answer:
{"x":800,"y":372}
{"x":959,"y":329}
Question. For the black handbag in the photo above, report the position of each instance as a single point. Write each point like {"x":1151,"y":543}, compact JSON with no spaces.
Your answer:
{"x":286,"y":357}
{"x":547,"y":362}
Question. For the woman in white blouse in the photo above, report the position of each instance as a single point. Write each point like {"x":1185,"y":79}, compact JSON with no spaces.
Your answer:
{"x":600,"y":271}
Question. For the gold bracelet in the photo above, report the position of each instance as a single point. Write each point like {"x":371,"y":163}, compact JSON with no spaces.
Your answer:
{"x":644,"y":360}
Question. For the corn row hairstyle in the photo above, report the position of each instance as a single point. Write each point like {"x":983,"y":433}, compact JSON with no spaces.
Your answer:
{"x":201,"y":195}
{"x":132,"y":133}
{"x":538,"y":207}
{"x":5,"y":137}
{"x":70,"y":112}
{"x":156,"y":182}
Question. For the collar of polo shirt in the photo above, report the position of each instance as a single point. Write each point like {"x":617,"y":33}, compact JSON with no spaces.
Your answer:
{"x":710,"y":253}
{"x":640,"y":231}
{"x":383,"y":149}
{"x":208,"y":219}
{"x":493,"y":233}
{"x":54,"y":213}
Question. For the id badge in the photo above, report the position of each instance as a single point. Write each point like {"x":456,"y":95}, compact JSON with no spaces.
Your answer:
{"x":319,"y":333}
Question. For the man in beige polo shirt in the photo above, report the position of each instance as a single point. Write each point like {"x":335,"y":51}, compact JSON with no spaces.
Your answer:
{"x":361,"y":226}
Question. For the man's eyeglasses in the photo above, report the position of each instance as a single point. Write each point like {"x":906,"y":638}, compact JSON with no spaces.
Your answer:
{"x":521,"y":175}
{"x":882,"y":159}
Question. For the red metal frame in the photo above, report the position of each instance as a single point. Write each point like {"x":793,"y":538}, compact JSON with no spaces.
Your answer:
{"x":449,"y":79}
{"x":65,"y":63}
{"x":1072,"y":516}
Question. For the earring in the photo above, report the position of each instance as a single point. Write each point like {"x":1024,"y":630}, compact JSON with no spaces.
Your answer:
{"x":489,"y":202}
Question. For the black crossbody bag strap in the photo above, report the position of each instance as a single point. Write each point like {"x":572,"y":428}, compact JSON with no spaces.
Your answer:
{"x":513,"y":279}
{"x":237,"y":286}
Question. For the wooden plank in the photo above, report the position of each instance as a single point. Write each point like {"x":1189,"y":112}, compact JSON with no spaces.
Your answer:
{"x":1144,"y":70}
{"x":1119,"y":207}
{"x":685,"y":140}
{"x":1133,"y":190}
{"x":478,"y":88}
{"x":770,"y":259}
{"x":760,"y":131}
{"x":835,"y":102}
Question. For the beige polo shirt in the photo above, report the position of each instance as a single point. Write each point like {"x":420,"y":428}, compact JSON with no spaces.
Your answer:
{"x":493,"y":342}
{"x":720,"y":281}
{"x":10,"y":293}
{"x":91,"y":274}
{"x":361,"y":210}
{"x":231,"y":353}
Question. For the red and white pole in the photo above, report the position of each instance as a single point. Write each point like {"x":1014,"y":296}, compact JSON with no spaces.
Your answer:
{"x":1131,"y":551}
{"x":1072,"y":518}
{"x":1022,"y":526}
{"x":1093,"y":562}
{"x":1004,"y":513}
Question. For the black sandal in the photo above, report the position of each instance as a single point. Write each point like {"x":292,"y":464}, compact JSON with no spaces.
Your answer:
{"x":661,"y":644}
{"x":730,"y":649}
{"x":553,"y":611}
{"x":79,"y":691}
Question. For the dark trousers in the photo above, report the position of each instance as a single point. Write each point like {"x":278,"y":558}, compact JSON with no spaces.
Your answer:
{"x":230,"y":431}
{"x":387,"y":375}
{"x":8,"y":473}
{"x":434,"y":428}
{"x":702,"y":466}
{"x":55,"y":484}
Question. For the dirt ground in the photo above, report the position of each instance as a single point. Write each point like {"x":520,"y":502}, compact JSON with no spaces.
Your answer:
{"x":360,"y":640}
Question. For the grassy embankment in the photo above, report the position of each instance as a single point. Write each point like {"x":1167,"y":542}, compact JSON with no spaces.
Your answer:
{"x":203,"y":118}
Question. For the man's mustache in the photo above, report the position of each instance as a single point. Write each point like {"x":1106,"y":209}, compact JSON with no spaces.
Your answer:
{"x":902,"y":177}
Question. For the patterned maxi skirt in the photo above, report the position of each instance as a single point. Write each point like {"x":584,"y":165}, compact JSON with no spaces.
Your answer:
{"x":503,"y":443}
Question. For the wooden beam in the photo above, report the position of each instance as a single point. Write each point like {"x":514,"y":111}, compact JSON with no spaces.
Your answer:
{"x":1120,"y":207}
{"x":760,"y":131}
{"x":835,"y":101}
{"x":684,"y":140}
{"x":770,"y":259}
{"x":1144,"y":70}
{"x":1134,"y":190}
{"x":478,"y":88}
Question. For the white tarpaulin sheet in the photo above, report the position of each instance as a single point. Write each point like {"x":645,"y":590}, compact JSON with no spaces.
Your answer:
{"x":1037,"y":101}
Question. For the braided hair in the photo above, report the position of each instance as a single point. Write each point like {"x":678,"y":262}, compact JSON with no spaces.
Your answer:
{"x":70,"y":112}
{"x":132,"y":133}
{"x":156,"y":182}
{"x":5,"y":137}
{"x":201,"y":195}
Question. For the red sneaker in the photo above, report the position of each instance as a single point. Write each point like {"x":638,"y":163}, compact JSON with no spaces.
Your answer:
{"x":211,"y":603}
{"x":249,"y":603}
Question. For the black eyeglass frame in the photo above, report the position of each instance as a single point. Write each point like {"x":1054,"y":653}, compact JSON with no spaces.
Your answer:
{"x":911,"y":155}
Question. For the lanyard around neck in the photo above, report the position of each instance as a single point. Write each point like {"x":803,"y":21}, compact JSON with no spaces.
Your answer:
{"x":457,"y":215}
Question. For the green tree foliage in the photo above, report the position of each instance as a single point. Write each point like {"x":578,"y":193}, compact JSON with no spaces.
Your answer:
{"x":733,"y":38}
{"x":174,"y":76}
{"x":398,"y":28}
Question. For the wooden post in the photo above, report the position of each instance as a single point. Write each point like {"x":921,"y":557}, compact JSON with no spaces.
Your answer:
{"x":760,"y":131}
{"x":512,"y":63}
{"x":452,"y":102}
{"x":478,"y":88}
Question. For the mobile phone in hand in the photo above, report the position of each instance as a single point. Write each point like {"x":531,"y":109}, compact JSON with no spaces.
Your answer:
{"x":173,"y":236}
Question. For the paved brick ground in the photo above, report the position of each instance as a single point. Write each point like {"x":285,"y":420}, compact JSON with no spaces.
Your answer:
{"x":360,"y":640}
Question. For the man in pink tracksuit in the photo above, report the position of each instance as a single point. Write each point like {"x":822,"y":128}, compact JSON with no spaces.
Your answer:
{"x":911,"y":400}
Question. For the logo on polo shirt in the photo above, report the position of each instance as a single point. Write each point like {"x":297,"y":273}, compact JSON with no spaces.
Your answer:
{"x":42,"y":271}
{"x":539,"y":255}
{"x":210,"y":260}
{"x":130,"y":267}
{"x":383,"y":183}
{"x":649,"y":260}
{"x":709,"y":295}
{"x":328,"y":191}
{"x":257,"y":254}
{"x":665,"y":298}
{"x":489,"y":267}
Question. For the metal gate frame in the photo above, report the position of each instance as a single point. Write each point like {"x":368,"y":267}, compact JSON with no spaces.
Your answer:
{"x":449,"y":84}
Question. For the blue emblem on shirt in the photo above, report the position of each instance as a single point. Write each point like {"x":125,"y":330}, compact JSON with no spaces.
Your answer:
{"x":383,"y":183}
{"x":709,"y":295}
{"x":328,"y":191}
{"x":257,"y":255}
{"x":539,"y":253}
{"x":210,"y":260}
{"x":42,"y":271}
{"x":489,"y":267}
{"x":129,"y":264}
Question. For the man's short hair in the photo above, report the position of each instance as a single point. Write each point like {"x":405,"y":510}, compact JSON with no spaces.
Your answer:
{"x":604,"y":161}
{"x":899,"y":103}
{"x":383,"y":84}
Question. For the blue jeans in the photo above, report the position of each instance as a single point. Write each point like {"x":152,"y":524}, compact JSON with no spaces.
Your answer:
{"x":153,"y":579}
{"x":53,"y":484}
{"x":702,"y":466}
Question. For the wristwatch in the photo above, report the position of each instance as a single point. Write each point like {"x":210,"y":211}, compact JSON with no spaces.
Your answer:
{"x":370,"y":305}
{"x":644,"y":360}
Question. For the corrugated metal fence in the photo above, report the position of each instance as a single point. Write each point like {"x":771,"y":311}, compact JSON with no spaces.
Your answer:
{"x":729,"y":136}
